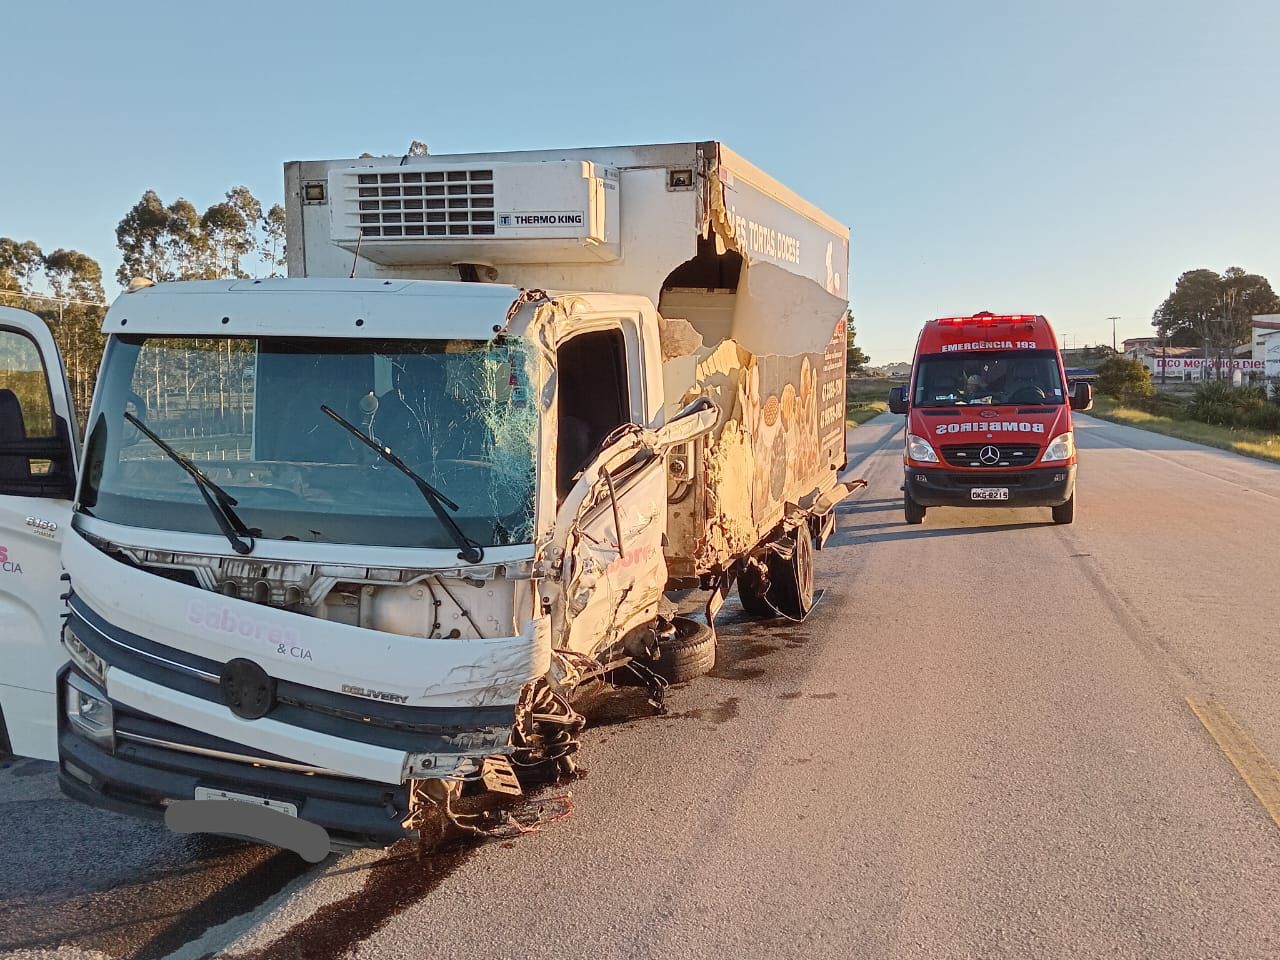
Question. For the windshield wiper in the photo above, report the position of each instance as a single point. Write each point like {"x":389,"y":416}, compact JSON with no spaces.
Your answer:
{"x":469,"y":550}
{"x":220,"y":503}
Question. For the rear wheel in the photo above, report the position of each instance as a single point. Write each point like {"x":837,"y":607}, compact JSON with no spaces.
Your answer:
{"x":753,"y":591}
{"x":914,"y":511}
{"x":1066,"y":512}
{"x":791,"y":591}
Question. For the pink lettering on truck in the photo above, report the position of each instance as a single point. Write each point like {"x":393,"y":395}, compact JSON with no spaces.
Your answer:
{"x":282,"y":642}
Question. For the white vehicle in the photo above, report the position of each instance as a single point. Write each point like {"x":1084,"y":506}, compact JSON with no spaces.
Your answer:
{"x":343,"y":541}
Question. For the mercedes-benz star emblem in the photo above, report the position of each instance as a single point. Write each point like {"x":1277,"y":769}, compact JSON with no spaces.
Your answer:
{"x":247,"y":689}
{"x":989,"y":455}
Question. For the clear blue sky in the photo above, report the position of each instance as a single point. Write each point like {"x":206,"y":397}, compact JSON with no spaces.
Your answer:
{"x":1064,"y":158}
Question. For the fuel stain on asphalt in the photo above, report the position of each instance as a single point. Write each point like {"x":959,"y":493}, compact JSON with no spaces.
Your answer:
{"x":719,"y":713}
{"x":406,"y":876}
{"x":409,"y":873}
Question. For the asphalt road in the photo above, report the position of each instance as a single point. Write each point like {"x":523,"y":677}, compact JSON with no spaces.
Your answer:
{"x":981,"y":744}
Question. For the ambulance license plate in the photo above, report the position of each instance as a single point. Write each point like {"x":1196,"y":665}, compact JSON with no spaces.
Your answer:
{"x":989,"y":493}
{"x":205,"y":793}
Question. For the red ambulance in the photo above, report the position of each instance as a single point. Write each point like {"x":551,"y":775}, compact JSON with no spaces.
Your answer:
{"x":989,"y":417}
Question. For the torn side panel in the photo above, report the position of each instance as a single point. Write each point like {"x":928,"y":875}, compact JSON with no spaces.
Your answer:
{"x":793,"y":284}
{"x":779,"y":442}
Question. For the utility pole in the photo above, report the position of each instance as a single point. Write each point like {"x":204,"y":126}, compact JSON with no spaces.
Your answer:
{"x":1227,"y":300}
{"x":1113,"y":333}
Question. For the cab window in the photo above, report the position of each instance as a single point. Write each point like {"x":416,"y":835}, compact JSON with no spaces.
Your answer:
{"x":592,"y":399}
{"x":26,"y":408}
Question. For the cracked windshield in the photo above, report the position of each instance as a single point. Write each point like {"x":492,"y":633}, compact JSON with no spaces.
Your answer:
{"x":247,"y":412}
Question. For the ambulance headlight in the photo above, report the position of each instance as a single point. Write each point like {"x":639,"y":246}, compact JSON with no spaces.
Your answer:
{"x":919,"y":449}
{"x":1060,"y":448}
{"x":89,"y":711}
{"x":83,"y":657}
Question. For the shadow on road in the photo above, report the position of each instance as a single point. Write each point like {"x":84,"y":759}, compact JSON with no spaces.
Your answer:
{"x":849,"y":507}
{"x":80,"y":877}
{"x":899,"y":530}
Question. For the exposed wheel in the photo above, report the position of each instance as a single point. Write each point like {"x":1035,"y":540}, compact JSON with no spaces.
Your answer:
{"x":914,"y":511}
{"x":690,"y":653}
{"x":1066,"y":512}
{"x":754,"y":594}
{"x":791,"y":580}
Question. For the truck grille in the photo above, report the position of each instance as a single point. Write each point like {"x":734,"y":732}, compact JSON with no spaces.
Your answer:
{"x":428,"y":729}
{"x":406,"y":204}
{"x":1007,"y":454}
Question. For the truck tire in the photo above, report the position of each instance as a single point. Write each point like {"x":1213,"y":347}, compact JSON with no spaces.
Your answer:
{"x":754,"y":596}
{"x":1065,"y":513}
{"x":914,"y":511}
{"x":791,"y":580}
{"x":687,"y":655}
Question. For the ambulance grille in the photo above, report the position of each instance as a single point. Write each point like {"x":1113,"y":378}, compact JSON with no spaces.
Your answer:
{"x":1008,"y":454}
{"x":975,"y":479}
{"x":412,"y":204}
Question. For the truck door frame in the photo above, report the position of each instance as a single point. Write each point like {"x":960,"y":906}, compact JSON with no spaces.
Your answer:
{"x":619,"y":574}
{"x":32,"y":526}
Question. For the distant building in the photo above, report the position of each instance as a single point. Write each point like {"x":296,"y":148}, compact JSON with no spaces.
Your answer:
{"x":890,"y":370}
{"x":1264,"y":344}
{"x":1190,"y":365}
{"x":1131,"y":346}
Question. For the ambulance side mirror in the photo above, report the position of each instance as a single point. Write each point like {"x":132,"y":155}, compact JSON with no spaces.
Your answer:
{"x":898,"y":400}
{"x":1082,"y":396}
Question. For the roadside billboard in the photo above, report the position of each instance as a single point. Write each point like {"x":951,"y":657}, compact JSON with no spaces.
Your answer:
{"x":1184,"y":364}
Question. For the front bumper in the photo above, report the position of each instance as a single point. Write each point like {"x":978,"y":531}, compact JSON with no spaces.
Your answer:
{"x":1041,"y":487}
{"x":361,"y":738}
{"x":154,"y":763}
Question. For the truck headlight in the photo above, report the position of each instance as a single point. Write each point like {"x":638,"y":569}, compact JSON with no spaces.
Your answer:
{"x":1060,"y":448}
{"x":918,"y":448}
{"x":89,"y":711}
{"x":84,"y":658}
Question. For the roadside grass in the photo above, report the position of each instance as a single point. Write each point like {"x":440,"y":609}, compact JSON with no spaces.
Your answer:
{"x":861,"y":412}
{"x":1251,"y":443}
{"x":866,"y":400}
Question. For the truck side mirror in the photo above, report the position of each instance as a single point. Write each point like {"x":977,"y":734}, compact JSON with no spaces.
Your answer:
{"x":898,"y":400}
{"x":696,"y":420}
{"x":1082,"y":396}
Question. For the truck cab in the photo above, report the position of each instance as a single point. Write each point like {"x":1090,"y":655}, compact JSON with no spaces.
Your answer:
{"x":340,"y":542}
{"x":257,"y":598}
{"x":989,"y":417}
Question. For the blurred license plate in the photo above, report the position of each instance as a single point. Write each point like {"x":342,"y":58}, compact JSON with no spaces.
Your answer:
{"x":989,"y":493}
{"x":205,"y":793}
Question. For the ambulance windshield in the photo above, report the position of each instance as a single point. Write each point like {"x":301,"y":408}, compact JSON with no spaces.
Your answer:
{"x":989,"y":377}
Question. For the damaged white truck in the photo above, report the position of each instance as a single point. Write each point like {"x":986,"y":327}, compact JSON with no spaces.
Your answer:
{"x":339,"y":543}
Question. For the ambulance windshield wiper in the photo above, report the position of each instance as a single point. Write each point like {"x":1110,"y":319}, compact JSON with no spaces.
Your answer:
{"x":468,"y":550}
{"x":220,"y":503}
